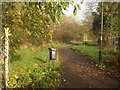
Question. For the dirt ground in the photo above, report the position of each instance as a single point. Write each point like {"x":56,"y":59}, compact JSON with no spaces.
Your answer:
{"x":80,"y":73}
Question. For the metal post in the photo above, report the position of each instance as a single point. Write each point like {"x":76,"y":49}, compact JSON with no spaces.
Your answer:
{"x":6,"y":57}
{"x":101,"y":32}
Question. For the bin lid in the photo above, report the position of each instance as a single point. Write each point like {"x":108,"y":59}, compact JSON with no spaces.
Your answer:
{"x":53,"y":49}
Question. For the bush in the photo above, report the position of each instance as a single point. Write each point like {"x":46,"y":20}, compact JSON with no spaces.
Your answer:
{"x":90,"y":43}
{"x":67,"y":38}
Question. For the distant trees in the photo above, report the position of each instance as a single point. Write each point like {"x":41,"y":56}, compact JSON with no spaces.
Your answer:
{"x":86,"y":25}
{"x":87,"y":29}
{"x":90,"y":28}
{"x":69,"y":30}
{"x":72,"y":29}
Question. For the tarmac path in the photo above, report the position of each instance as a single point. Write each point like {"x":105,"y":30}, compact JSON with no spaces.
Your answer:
{"x":80,"y":73}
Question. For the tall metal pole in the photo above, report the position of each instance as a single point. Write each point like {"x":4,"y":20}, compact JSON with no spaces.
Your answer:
{"x":6,"y":57}
{"x":101,"y":33}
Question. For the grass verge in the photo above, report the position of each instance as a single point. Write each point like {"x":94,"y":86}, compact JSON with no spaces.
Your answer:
{"x":31,"y":67}
{"x":91,"y":52}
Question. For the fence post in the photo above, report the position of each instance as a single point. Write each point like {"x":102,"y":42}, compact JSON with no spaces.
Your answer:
{"x":6,"y":56}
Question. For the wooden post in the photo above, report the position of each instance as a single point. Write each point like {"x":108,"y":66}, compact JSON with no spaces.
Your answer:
{"x":6,"y":56}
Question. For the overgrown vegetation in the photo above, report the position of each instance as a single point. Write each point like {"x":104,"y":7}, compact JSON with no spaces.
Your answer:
{"x":31,"y":68}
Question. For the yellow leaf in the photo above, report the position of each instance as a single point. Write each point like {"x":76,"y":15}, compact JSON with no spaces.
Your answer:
{"x":2,"y":37}
{"x":9,"y":34}
{"x":107,"y":8}
{"x":3,"y":62}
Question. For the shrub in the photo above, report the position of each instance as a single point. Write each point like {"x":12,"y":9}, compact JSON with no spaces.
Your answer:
{"x":67,"y":38}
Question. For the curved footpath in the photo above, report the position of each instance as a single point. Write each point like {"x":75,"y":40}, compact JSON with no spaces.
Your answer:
{"x":79,"y":73}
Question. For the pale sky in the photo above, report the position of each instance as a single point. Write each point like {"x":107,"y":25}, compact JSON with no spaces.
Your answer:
{"x":80,"y":13}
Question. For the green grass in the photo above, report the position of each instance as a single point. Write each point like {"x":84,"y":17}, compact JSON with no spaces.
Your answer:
{"x":109,"y":58}
{"x":90,"y":50}
{"x":23,"y":72}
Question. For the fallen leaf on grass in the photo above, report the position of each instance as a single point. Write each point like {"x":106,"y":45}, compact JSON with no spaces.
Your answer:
{"x":47,"y":66}
{"x":37,"y":65}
